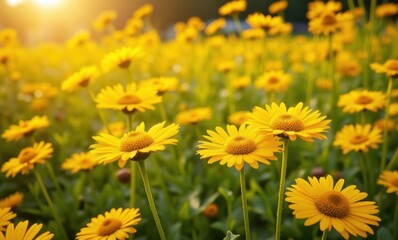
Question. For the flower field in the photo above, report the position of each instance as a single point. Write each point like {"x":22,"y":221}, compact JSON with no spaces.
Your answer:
{"x":235,"y":128}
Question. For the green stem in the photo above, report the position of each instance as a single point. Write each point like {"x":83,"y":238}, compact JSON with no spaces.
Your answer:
{"x":53,"y":178}
{"x":369,"y":166}
{"x":238,"y":26}
{"x":132,"y":183}
{"x":144,"y":175}
{"x":281,"y":190}
{"x":385,"y":132}
{"x":244,"y":203}
{"x":51,"y":205}
{"x":393,"y":160}
{"x":100,"y":113}
{"x":324,"y":235}
{"x":362,"y":165}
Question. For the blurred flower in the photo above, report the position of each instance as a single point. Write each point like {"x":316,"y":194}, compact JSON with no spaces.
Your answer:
{"x":274,"y":81}
{"x":211,"y":211}
{"x":332,"y":206}
{"x":259,"y":20}
{"x":278,"y":6}
{"x":225,"y":65}
{"x":386,"y":10}
{"x":8,"y":37}
{"x":196,"y":23}
{"x":273,"y":65}
{"x":80,"y":79}
{"x":121,"y":58}
{"x":25,"y":128}
{"x":116,"y":129}
{"x":12,"y":200}
{"x":5,"y":216}
{"x":193,"y":116}
{"x":393,"y":109}
{"x":79,"y":39}
{"x":235,"y":147}
{"x":27,"y":159}
{"x":324,"y":84}
{"x":215,"y":26}
{"x":347,"y":65}
{"x":240,"y":82}
{"x":78,"y":162}
{"x":135,"y":145}
{"x":238,"y":118}
{"x":39,"y":104}
{"x":123,"y":175}
{"x":232,"y":7}
{"x":161,"y":84}
{"x":104,"y":20}
{"x":318,"y":172}
{"x":317,"y":8}
{"x":380,"y":123}
{"x":23,"y":232}
{"x":329,"y":22}
{"x":133,"y":26}
{"x":253,"y":33}
{"x":389,"y":179}
{"x":128,"y":100}
{"x":39,"y":90}
{"x":143,"y":11}
{"x":289,"y":123}
{"x":357,"y":138}
{"x":390,"y":68}
{"x":361,"y":100}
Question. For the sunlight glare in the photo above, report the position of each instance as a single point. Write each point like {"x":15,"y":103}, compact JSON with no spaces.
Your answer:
{"x":14,"y":3}
{"x":46,"y":3}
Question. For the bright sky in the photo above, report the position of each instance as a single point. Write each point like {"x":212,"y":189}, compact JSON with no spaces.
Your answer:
{"x":41,"y":3}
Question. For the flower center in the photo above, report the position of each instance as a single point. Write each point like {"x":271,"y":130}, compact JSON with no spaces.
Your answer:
{"x":240,"y":146}
{"x":128,"y":99}
{"x":333,"y":204}
{"x":109,"y":226}
{"x":124,"y":63}
{"x":394,"y":182}
{"x":135,"y":141}
{"x":273,"y":80}
{"x":84,"y":82}
{"x":358,"y":139}
{"x":27,"y":154}
{"x":392,"y":65}
{"x":287,"y":122}
{"x":329,"y":19}
{"x":363,"y":100}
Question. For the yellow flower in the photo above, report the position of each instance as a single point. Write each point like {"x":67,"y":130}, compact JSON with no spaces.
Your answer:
{"x":135,"y":145}
{"x":232,"y":7}
{"x":143,"y":11}
{"x":240,"y":82}
{"x":116,"y":129}
{"x":8,"y":37}
{"x":225,"y":65}
{"x":320,"y":200}
{"x":253,"y":33}
{"x":259,"y":20}
{"x":329,"y":22}
{"x":361,"y":100}
{"x":277,"y":6}
{"x":389,"y":179}
{"x":380,"y":123}
{"x":12,"y":200}
{"x":386,"y":10}
{"x":274,"y":81}
{"x":238,"y":118}
{"x":104,"y":20}
{"x":289,"y":123}
{"x":393,"y":109}
{"x":317,"y":8}
{"x":357,"y":138}
{"x":161,"y":84}
{"x":235,"y":147}
{"x":39,"y":90}
{"x":215,"y":26}
{"x":121,"y":58}
{"x":79,"y":39}
{"x":78,"y":162}
{"x":128,"y":100}
{"x":80,"y":79}
{"x":5,"y":216}
{"x":25,"y":128}
{"x":347,"y":65}
{"x":324,"y":84}
{"x":114,"y":224}
{"x":27,"y":159}
{"x":193,"y":116}
{"x":23,"y":232}
{"x":390,"y":68}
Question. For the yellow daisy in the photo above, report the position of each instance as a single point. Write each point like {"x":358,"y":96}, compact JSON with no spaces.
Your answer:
{"x":104,"y":20}
{"x":114,"y":224}
{"x":161,"y":84}
{"x":320,"y":200}
{"x":116,"y":129}
{"x":389,"y":179}
{"x":193,"y":116}
{"x":274,"y":81}
{"x":143,"y":11}
{"x":135,"y":145}
{"x":81,"y":78}
{"x":121,"y":58}
{"x":386,"y":10}
{"x":25,"y":128}
{"x":27,"y":159}
{"x":361,"y":100}
{"x":289,"y":123}
{"x":238,"y":118}
{"x":241,"y":82}
{"x":259,"y":20}
{"x":317,"y":8}
{"x":12,"y":200}
{"x":5,"y":216}
{"x":278,"y":6}
{"x":329,"y":22}
{"x":393,"y":109}
{"x":78,"y":162}
{"x":23,"y":232}
{"x":390,"y":68}
{"x":235,"y":147}
{"x":232,"y":7}
{"x":357,"y":138}
{"x":128,"y":100}
{"x":215,"y":26}
{"x":253,"y":33}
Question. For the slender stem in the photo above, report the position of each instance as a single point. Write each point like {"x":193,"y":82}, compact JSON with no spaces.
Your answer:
{"x":238,"y":26}
{"x":51,"y":205}
{"x":244,"y":203}
{"x":324,"y":235}
{"x":370,"y":168}
{"x":362,"y":165}
{"x":53,"y":178}
{"x":393,"y":160}
{"x":132,"y":167}
{"x":144,"y":175}
{"x":281,"y":190}
{"x":385,"y":132}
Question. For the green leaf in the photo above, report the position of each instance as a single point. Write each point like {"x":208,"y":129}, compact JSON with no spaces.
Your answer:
{"x":230,"y":236}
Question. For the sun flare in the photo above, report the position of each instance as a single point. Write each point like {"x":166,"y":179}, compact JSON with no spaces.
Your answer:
{"x":46,"y":3}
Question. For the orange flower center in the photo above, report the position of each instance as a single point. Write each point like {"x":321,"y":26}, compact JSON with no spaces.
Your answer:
{"x":329,"y":19}
{"x":240,"y":145}
{"x":333,"y":204}
{"x":358,"y":139}
{"x":394,"y":182}
{"x":273,"y":80}
{"x":287,"y":122}
{"x":363,"y":100}
{"x":135,"y":141}
{"x":84,"y":82}
{"x":109,"y":226}
{"x":392,"y":65}
{"x":124,"y":63}
{"x":128,"y":99}
{"x":27,"y":154}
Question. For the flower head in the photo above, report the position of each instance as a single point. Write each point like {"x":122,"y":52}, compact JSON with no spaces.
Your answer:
{"x":121,"y":58}
{"x":215,"y":26}
{"x":289,"y":123}
{"x":114,"y":224}
{"x":193,"y":116}
{"x":357,"y":138}
{"x":232,"y":7}
{"x":274,"y":81}
{"x":27,"y":159}
{"x":128,"y":100}
{"x":5,"y":216}
{"x":161,"y":84}
{"x":361,"y":100}
{"x":12,"y":200}
{"x":135,"y":145}
{"x":104,"y":20}
{"x":278,"y":6}
{"x":390,"y":68}
{"x":320,"y":200}
{"x":238,"y":118}
{"x":329,"y":22}
{"x":80,"y":79}
{"x":78,"y":162}
{"x":25,"y":128}
{"x":235,"y":147}
{"x":389,"y":179}
{"x":23,"y":232}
